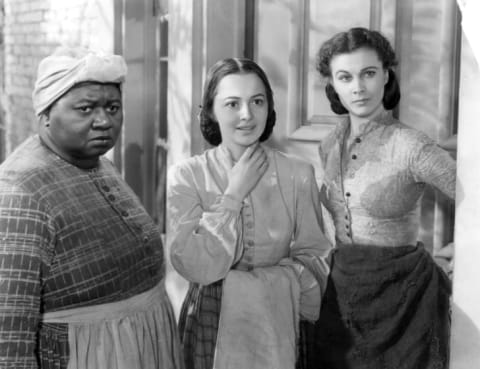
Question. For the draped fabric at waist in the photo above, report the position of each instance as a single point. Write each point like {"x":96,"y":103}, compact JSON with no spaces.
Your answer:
{"x":383,"y":305}
{"x":136,"y":333}
{"x":108,"y":311}
{"x":258,"y":326}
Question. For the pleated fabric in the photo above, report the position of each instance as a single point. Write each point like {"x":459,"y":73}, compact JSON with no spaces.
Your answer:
{"x":136,"y":333}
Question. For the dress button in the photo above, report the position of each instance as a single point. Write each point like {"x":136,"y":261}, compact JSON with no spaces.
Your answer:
{"x":347,"y":194}
{"x":348,"y":234}
{"x":111,"y":197}
{"x":250,"y":243}
{"x":358,"y":140}
{"x":347,"y":226}
{"x":354,"y":156}
{"x":346,"y":217}
{"x":106,"y":188}
{"x":124,"y":213}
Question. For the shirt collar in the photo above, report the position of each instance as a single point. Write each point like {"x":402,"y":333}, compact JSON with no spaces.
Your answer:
{"x":385,"y":118}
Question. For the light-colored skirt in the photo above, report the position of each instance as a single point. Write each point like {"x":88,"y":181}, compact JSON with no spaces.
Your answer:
{"x":136,"y":333}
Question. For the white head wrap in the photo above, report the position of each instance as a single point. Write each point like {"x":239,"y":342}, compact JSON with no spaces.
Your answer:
{"x":60,"y":71}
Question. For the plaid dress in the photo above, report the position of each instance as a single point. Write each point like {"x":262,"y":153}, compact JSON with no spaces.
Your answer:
{"x":69,"y":238}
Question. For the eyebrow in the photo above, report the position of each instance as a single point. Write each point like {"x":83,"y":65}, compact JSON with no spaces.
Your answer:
{"x":94,"y":100}
{"x":362,"y":70}
{"x":237,"y":97}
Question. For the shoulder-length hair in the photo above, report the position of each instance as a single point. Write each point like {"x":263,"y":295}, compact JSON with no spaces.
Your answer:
{"x":208,"y":124}
{"x":349,"y":41}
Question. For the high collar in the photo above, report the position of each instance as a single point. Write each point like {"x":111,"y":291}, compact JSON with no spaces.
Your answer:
{"x":383,"y":119}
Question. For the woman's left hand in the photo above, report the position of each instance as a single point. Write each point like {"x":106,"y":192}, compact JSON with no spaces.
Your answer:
{"x":444,"y":258}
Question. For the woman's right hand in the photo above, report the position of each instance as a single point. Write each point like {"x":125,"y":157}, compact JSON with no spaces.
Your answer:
{"x":246,"y":173}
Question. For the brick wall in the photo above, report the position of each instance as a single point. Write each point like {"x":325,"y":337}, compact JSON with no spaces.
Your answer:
{"x":33,"y":29}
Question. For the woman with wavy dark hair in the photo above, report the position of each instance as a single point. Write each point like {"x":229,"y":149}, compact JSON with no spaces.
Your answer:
{"x":387,"y":301}
{"x":245,"y":231}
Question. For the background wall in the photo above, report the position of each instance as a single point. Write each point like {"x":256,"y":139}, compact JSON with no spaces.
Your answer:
{"x":424,"y":34}
{"x":32,"y":30}
{"x":465,"y":338}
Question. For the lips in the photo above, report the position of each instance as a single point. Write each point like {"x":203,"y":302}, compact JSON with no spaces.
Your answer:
{"x":246,"y":128}
{"x":360,"y":101}
{"x":102,"y":139}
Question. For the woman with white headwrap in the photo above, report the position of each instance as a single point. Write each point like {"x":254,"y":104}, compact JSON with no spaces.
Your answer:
{"x":81,"y":261}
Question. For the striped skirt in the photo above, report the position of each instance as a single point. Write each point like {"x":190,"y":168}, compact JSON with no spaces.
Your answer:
{"x":198,"y":324}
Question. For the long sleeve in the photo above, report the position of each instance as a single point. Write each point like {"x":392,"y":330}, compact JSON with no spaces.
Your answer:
{"x":24,"y":236}
{"x":310,"y":247}
{"x":204,"y":243}
{"x":433,"y":165}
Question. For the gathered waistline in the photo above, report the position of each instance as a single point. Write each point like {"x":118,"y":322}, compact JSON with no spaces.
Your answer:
{"x":112,"y":310}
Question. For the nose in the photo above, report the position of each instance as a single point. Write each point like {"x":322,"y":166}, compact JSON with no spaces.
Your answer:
{"x":101,"y":120}
{"x":245,"y":112}
{"x":358,"y":86}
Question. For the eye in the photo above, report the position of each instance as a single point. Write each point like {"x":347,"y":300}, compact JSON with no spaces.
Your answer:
{"x":259,"y":101}
{"x":344,"y":78}
{"x":113,"y":109}
{"x":232,"y":104}
{"x":370,"y":73}
{"x":85,"y":109}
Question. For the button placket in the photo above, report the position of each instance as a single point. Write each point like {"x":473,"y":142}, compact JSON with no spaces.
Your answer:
{"x":249,"y":235}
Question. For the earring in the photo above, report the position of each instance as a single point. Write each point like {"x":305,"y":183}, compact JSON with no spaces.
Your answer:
{"x":47,"y":119}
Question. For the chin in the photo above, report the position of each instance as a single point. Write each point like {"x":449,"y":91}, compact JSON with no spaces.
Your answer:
{"x":248,"y":143}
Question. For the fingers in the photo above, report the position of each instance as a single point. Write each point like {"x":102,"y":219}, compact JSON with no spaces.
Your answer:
{"x":262,"y":165}
{"x":253,"y":155}
{"x":446,"y":251}
{"x":444,"y":258}
{"x":249,"y":151}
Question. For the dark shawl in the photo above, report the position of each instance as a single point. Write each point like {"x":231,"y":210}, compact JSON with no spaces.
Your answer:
{"x":384,"y":307}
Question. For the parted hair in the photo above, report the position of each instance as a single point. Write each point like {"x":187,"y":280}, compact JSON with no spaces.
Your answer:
{"x":349,"y":41}
{"x":208,"y":124}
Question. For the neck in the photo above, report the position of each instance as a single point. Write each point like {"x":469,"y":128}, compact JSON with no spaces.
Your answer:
{"x":357,"y":123}
{"x":236,"y":151}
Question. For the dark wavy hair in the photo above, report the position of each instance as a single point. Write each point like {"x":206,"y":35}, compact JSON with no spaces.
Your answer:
{"x":351,"y":40}
{"x":208,"y":124}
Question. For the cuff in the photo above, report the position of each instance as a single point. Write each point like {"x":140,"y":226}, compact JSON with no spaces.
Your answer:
{"x":229,"y":202}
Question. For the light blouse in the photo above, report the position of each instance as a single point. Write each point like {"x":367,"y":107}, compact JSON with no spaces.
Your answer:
{"x":278,"y":223}
{"x":373,"y":186}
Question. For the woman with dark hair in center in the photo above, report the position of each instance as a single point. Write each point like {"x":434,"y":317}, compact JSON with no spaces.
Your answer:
{"x":245,"y":230}
{"x":387,"y":301}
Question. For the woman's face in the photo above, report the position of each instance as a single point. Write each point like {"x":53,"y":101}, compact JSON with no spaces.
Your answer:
{"x":359,"y":80}
{"x":85,"y":122}
{"x":241,"y":109}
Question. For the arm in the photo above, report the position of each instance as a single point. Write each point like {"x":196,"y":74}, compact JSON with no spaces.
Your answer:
{"x":203,"y":243}
{"x":23,"y":240}
{"x":431,"y":164}
{"x":206,"y":242}
{"x":310,"y":247}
